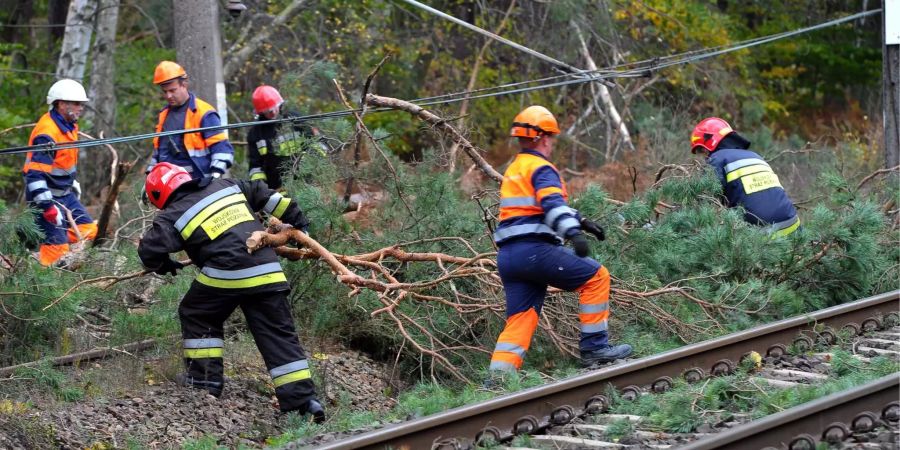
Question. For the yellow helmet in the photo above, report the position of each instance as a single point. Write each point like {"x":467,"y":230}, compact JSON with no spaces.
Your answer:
{"x":534,"y":121}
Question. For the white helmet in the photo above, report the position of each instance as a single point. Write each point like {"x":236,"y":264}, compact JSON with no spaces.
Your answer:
{"x":67,"y":90}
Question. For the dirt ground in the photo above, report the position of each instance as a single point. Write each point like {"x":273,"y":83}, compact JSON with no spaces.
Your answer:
{"x":131,"y":402}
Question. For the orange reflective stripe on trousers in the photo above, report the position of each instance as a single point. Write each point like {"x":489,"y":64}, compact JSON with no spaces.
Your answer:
{"x":514,"y":341}
{"x":593,"y":302}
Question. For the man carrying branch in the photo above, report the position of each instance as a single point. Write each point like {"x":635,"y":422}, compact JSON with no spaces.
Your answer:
{"x":210,"y":218}
{"x":535,"y":219}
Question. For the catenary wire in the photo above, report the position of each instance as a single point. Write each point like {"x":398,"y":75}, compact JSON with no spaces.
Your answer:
{"x":642,"y":68}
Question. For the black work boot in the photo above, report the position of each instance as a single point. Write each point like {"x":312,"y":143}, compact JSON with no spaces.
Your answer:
{"x":604,"y":355}
{"x":315,"y":409}
{"x":213,"y":387}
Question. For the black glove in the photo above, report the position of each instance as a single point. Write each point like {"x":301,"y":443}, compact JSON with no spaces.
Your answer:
{"x":144,"y":199}
{"x":169,"y":266}
{"x":580,"y":244}
{"x":592,"y":227}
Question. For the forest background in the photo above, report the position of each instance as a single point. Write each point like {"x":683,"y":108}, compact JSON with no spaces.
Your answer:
{"x":686,"y":268}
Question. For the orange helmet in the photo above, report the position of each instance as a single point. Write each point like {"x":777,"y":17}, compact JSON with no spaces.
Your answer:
{"x":167,"y":71}
{"x":709,"y":133}
{"x":266,"y":98}
{"x":534,"y":122}
{"x":164,"y":179}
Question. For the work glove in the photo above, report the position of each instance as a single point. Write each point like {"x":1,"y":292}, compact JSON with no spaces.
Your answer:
{"x":53,"y":215}
{"x":592,"y":227}
{"x":144,"y":199}
{"x":76,"y":188}
{"x":580,"y":245}
{"x":216,"y":174}
{"x":169,"y":266}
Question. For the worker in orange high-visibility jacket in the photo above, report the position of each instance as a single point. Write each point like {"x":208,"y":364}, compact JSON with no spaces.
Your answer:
{"x":50,"y":184}
{"x":535,"y":220}
{"x":207,"y":153}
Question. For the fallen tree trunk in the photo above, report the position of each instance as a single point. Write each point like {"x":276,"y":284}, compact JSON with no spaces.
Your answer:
{"x":89,"y":355}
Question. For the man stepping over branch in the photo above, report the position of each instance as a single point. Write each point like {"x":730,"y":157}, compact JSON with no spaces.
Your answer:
{"x":210,"y":218}
{"x":535,"y":220}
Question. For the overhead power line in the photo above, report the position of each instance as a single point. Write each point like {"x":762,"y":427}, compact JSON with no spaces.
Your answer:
{"x":627,"y":70}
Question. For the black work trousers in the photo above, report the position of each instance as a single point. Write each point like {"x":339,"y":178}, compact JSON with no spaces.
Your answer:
{"x":203,"y":312}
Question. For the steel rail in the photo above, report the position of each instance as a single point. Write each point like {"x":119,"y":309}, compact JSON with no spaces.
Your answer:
{"x":532,"y":410}
{"x":824,"y":416}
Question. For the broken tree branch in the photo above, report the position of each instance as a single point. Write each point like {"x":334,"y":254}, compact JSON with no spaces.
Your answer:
{"x":437,"y":122}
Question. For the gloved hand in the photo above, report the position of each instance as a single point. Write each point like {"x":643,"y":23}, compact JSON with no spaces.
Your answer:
{"x":53,"y":215}
{"x":76,"y":188}
{"x":144,"y":199}
{"x":592,"y":227}
{"x":216,"y":174}
{"x":169,"y":266}
{"x":580,"y":245}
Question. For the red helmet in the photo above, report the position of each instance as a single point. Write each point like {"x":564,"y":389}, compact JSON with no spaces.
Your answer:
{"x":266,"y":98}
{"x":708,"y":133}
{"x":163,"y":180}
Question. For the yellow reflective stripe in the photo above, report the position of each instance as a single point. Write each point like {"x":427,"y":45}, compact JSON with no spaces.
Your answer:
{"x":292,"y":377}
{"x":743,"y":171}
{"x":259,"y":280}
{"x":548,"y":191}
{"x":282,"y":207}
{"x":258,"y":176}
{"x":208,"y":211}
{"x":786,"y":231}
{"x":198,"y":353}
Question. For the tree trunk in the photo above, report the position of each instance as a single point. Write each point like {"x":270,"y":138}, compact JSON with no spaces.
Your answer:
{"x":102,"y":108}
{"x":77,"y":40}
{"x":56,"y":15}
{"x":198,"y":47}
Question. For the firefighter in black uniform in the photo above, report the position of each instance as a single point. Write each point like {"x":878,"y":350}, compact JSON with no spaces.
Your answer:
{"x":210,"y":219}
{"x":271,"y":145}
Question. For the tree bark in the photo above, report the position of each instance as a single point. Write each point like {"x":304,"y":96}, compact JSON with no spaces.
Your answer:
{"x":602,"y":92}
{"x":198,"y":47}
{"x":102,"y":109}
{"x":77,"y":40}
{"x":56,"y":15}
{"x":240,"y":52}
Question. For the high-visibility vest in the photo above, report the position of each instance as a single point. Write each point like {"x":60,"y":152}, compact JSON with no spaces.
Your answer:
{"x":195,"y":143}
{"x":520,"y":204}
{"x":65,"y":159}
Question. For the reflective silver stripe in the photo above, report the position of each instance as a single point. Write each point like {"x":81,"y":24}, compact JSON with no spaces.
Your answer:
{"x":208,"y":200}
{"x":731,"y":167}
{"x":188,"y":168}
{"x":592,"y":308}
{"x":272,"y":203}
{"x":593,"y":327}
{"x":565,"y":225}
{"x":221,"y":165}
{"x":227,"y":157}
{"x":254,"y":171}
{"x":240,"y":274}
{"x":288,"y":368}
{"x":35,"y":185}
{"x":45,"y":196}
{"x":198,"y":153}
{"x":57,"y":171}
{"x":60,"y":192}
{"x":204,"y":343}
{"x":551,"y":216}
{"x":512,"y":348}
{"x":784,"y":223}
{"x":502,"y":366}
{"x":518,"y":230}
{"x":517,"y":201}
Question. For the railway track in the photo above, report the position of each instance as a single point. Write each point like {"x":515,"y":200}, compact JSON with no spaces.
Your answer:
{"x":562,"y":405}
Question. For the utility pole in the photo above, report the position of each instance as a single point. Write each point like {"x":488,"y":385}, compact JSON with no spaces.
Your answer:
{"x":198,"y":48}
{"x":891,"y":82}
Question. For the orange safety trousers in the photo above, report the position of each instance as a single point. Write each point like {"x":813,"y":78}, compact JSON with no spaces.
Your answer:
{"x":50,"y":253}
